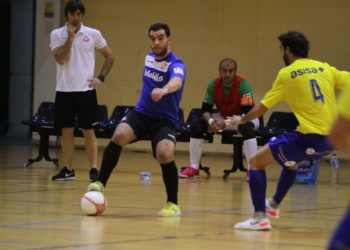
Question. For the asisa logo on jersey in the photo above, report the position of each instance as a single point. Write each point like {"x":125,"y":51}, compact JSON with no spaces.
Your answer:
{"x":304,"y":71}
{"x":155,"y":76}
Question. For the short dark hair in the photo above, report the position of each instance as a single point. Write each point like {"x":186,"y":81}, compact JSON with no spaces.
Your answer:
{"x":297,"y":43}
{"x":159,"y":26}
{"x":74,"y":5}
{"x":229,"y":60}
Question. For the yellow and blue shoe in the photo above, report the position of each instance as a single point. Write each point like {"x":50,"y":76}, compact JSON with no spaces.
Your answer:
{"x":96,"y":186}
{"x":170,"y":210}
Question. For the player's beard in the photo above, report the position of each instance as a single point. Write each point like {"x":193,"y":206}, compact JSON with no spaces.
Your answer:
{"x":285,"y":59}
{"x":162,"y":52}
{"x":227,"y":81}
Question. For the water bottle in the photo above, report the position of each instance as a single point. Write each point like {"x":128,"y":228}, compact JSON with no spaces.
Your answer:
{"x":307,"y":172}
{"x":334,"y":170}
{"x":145,"y":176}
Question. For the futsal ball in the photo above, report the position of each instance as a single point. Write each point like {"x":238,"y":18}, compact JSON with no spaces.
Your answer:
{"x":93,"y":203}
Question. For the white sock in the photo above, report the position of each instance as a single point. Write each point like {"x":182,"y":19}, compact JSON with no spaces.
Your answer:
{"x":196,"y":148}
{"x":250,"y":147}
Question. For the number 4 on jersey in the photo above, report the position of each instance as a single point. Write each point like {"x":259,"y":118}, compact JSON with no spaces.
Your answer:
{"x":316,"y":91}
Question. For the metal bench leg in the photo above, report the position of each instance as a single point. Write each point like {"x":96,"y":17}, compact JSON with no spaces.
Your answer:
{"x":237,"y":158}
{"x":43,"y":150}
{"x":205,"y":169}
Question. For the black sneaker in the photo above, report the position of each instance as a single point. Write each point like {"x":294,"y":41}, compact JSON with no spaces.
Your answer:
{"x":93,"y":175}
{"x":64,"y":175}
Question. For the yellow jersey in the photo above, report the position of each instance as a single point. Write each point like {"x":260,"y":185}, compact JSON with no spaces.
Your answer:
{"x":344,"y":104}
{"x":308,"y":87}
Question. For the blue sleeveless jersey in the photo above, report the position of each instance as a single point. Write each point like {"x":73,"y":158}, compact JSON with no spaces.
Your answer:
{"x":157,"y":74}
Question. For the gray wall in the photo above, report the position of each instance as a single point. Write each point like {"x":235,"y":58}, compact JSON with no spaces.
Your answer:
{"x":20,"y":91}
{"x":27,"y":91}
{"x":44,"y":63}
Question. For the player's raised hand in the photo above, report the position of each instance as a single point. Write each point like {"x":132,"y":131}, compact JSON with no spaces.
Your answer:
{"x":71,"y":31}
{"x":157,"y":94}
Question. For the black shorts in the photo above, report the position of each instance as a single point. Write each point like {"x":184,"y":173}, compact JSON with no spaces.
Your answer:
{"x":82,"y":105}
{"x":144,"y":126}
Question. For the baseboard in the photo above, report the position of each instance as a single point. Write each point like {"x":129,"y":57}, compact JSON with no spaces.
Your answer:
{"x":54,"y":141}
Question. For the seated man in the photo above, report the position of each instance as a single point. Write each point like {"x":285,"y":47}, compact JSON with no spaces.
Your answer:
{"x":231,"y":94}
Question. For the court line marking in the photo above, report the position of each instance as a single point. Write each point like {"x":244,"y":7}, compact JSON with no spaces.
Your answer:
{"x":223,"y":210}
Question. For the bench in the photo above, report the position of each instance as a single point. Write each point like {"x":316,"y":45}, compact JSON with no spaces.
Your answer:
{"x":42,"y":123}
{"x":183,"y":133}
{"x":183,"y":130}
{"x":232,"y":137}
{"x":227,"y":137}
{"x":278,"y":123}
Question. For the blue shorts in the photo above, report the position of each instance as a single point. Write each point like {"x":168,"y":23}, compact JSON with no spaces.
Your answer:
{"x":292,"y":148}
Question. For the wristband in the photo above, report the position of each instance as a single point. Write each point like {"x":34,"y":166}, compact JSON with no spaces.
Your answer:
{"x":101,"y":77}
{"x":210,"y":121}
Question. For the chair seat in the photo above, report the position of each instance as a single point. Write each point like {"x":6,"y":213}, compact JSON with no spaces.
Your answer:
{"x":44,"y":116}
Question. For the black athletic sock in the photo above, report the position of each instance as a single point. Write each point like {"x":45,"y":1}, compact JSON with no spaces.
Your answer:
{"x":109,"y":161}
{"x":171,"y":181}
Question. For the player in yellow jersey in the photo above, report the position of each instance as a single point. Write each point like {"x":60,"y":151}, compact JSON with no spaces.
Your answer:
{"x":339,"y":137}
{"x":308,"y":87}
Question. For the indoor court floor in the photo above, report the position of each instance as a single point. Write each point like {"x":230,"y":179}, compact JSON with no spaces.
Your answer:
{"x":38,"y":213}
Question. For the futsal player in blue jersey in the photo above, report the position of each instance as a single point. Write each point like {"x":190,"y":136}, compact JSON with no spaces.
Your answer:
{"x":156,"y":115}
{"x":339,"y":137}
{"x":308,"y":87}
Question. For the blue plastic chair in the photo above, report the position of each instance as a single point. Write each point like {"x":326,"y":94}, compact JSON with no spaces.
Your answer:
{"x":102,"y":115}
{"x":195,"y":113}
{"x":43,"y":123}
{"x":117,"y":115}
{"x":280,"y":123}
{"x":44,"y":116}
{"x":181,"y":118}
